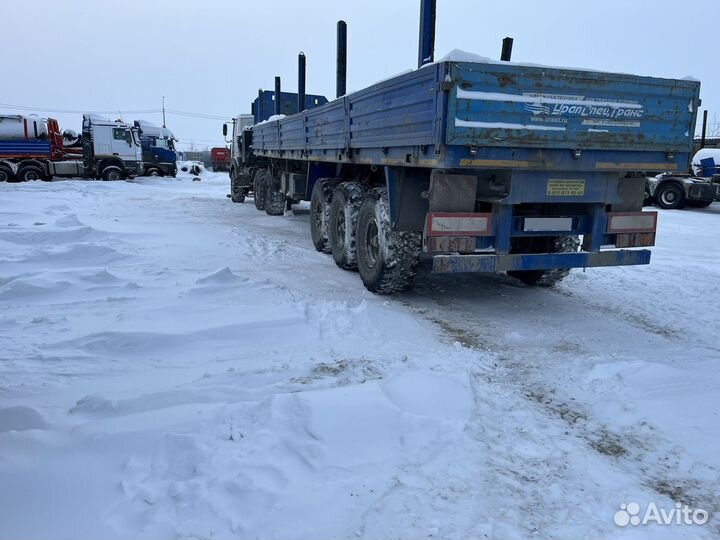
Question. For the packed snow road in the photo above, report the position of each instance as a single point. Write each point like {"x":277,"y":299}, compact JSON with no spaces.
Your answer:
{"x":175,"y":365}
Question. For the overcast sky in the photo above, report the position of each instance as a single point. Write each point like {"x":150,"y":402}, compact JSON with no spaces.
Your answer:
{"x":211,"y":56}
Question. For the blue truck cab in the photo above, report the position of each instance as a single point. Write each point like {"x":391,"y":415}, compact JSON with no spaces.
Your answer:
{"x":158,"y":149}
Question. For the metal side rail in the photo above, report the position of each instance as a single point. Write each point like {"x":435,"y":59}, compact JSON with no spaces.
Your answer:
{"x":538,"y":261}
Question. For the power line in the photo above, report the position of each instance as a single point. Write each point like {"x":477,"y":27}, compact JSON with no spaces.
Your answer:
{"x":187,"y":114}
{"x":197,"y":115}
{"x":71,"y":111}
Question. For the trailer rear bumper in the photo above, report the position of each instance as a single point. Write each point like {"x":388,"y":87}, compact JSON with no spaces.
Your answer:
{"x":541,"y":261}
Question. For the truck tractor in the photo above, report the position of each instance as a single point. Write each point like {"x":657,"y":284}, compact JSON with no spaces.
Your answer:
{"x":31,"y":148}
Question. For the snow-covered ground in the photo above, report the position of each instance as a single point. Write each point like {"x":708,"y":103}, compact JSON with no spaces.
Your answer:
{"x":175,"y":365}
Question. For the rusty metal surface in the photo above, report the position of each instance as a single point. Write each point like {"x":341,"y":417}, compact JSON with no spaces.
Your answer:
{"x":451,"y":244}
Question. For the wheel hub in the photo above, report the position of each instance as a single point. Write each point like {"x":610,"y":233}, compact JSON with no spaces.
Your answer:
{"x":372,"y":241}
{"x":340,"y":229}
{"x":318,"y":215}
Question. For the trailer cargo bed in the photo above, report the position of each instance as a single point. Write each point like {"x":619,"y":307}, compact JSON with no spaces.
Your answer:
{"x":497,"y":115}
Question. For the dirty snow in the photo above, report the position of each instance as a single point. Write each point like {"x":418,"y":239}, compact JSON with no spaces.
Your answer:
{"x":173,"y":365}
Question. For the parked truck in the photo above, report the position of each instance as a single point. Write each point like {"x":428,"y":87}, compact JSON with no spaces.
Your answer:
{"x":158,"y":149}
{"x":698,"y":189}
{"x":220,"y":157}
{"x":476,"y":165}
{"x":31,"y":148}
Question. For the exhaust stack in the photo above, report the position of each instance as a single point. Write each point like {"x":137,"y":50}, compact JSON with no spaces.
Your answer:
{"x":301,"y":82}
{"x":341,"y":82}
{"x":507,"y":46}
{"x":259,"y":111}
{"x":277,"y":95}
{"x":426,"y":49}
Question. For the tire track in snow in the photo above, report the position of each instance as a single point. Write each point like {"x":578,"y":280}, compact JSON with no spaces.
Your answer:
{"x":643,"y":451}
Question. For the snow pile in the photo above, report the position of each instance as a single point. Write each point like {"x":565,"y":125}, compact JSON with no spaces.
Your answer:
{"x":190,"y":169}
{"x":273,"y":118}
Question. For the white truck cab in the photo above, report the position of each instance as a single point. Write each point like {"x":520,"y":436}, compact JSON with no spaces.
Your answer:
{"x":112,"y":149}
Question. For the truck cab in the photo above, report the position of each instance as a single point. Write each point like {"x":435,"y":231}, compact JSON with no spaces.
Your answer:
{"x":241,"y":178}
{"x":698,"y":189}
{"x":158,"y":149}
{"x":111,"y":150}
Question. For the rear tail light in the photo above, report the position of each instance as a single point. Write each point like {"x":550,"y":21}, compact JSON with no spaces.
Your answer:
{"x":634,"y":240}
{"x":632,"y":222}
{"x":633,"y":229}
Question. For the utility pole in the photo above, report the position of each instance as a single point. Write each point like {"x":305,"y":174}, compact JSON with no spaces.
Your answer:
{"x":164,"y":112}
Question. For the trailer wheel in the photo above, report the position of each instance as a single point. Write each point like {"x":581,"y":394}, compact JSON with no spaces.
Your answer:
{"x":387,"y":260}
{"x":113,"y":174}
{"x":30,"y":173}
{"x":6,"y":174}
{"x":342,"y":225}
{"x":274,"y":197}
{"x":546,"y":278}
{"x":670,"y":196}
{"x":260,"y":189}
{"x":320,"y":213}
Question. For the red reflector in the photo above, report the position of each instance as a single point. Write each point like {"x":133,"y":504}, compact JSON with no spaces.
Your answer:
{"x":625,"y":240}
{"x":447,"y":224}
{"x":631,"y":222}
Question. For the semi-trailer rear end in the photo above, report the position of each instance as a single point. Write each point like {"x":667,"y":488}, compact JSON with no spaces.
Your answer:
{"x":484,"y":166}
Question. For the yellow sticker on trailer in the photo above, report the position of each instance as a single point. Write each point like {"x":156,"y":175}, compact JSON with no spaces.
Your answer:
{"x":566,"y":188}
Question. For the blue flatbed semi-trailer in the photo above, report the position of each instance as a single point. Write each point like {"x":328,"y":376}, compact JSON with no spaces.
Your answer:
{"x":484,"y":166}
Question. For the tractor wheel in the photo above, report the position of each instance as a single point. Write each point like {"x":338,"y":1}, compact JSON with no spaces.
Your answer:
{"x":670,"y":196}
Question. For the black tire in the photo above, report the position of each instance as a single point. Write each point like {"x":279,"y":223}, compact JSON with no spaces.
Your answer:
{"x":670,"y":196}
{"x":274,"y":197}
{"x":237,"y":192}
{"x":30,"y":173}
{"x":648,"y":200}
{"x":704,"y":203}
{"x":154,"y":172}
{"x":547,"y":278}
{"x":342,"y":224}
{"x":113,"y":174}
{"x":6,"y":174}
{"x":320,"y":212}
{"x":387,"y":260}
{"x":260,"y":189}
